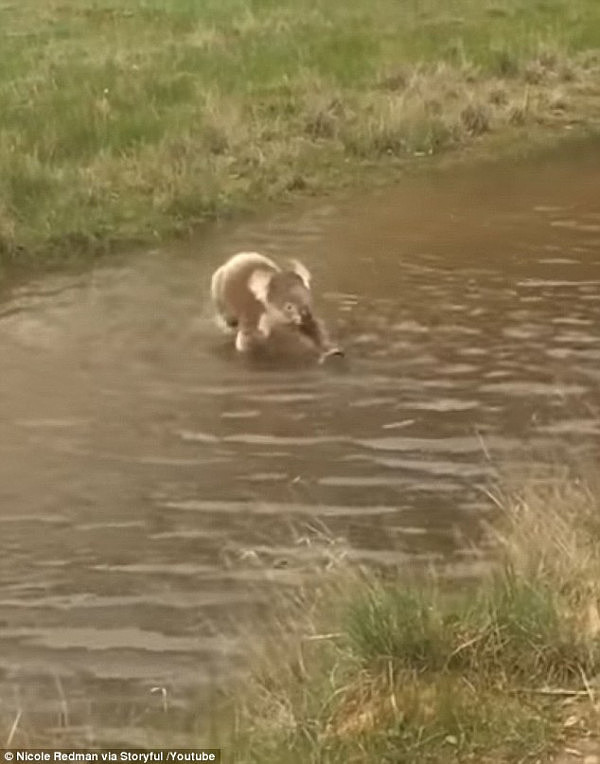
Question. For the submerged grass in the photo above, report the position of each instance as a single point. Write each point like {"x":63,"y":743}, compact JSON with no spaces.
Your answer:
{"x":127,"y":120}
{"x":384,"y":669}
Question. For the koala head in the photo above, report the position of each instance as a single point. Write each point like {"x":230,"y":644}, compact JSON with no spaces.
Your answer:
{"x":285,"y":294}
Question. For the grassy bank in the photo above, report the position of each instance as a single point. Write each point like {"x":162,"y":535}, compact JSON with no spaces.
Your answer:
{"x":360,"y":668}
{"x":501,"y":670}
{"x":130,"y":120}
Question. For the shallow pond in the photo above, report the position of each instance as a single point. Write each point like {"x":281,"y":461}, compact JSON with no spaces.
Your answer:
{"x":144,"y":468}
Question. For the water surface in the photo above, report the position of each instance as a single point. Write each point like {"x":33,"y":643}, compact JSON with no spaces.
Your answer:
{"x":144,"y":467}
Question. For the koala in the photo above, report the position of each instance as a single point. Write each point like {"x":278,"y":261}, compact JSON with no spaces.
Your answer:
{"x":254,"y":297}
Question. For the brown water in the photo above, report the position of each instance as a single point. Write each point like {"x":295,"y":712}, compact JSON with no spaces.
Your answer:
{"x":141,"y":461}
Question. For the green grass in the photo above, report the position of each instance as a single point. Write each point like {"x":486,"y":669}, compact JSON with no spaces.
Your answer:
{"x":131,"y":120}
{"x":388,"y":669}
{"x":358,"y":667}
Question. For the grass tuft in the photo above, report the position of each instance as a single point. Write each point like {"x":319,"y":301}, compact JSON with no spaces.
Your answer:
{"x":129,"y":121}
{"x":388,"y":669}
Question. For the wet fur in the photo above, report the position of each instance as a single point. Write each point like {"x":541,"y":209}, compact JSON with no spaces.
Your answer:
{"x":255,"y":297}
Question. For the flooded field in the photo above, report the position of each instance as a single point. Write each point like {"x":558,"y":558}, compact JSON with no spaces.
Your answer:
{"x":144,"y":467}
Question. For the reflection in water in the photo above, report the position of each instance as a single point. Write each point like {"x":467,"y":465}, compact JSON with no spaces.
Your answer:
{"x":140,"y":458}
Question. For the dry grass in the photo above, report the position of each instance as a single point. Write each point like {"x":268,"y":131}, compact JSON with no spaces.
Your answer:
{"x":388,"y":670}
{"x":127,"y":121}
{"x":359,"y":667}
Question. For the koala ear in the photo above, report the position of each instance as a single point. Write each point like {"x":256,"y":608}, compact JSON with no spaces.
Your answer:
{"x":302,"y":271}
{"x":258,"y":284}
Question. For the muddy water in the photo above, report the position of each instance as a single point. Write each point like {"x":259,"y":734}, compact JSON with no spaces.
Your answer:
{"x":144,"y":468}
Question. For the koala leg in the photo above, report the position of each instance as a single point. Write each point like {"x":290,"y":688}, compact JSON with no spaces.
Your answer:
{"x":264,"y":326}
{"x":225,"y":323}
{"x":244,"y":340}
